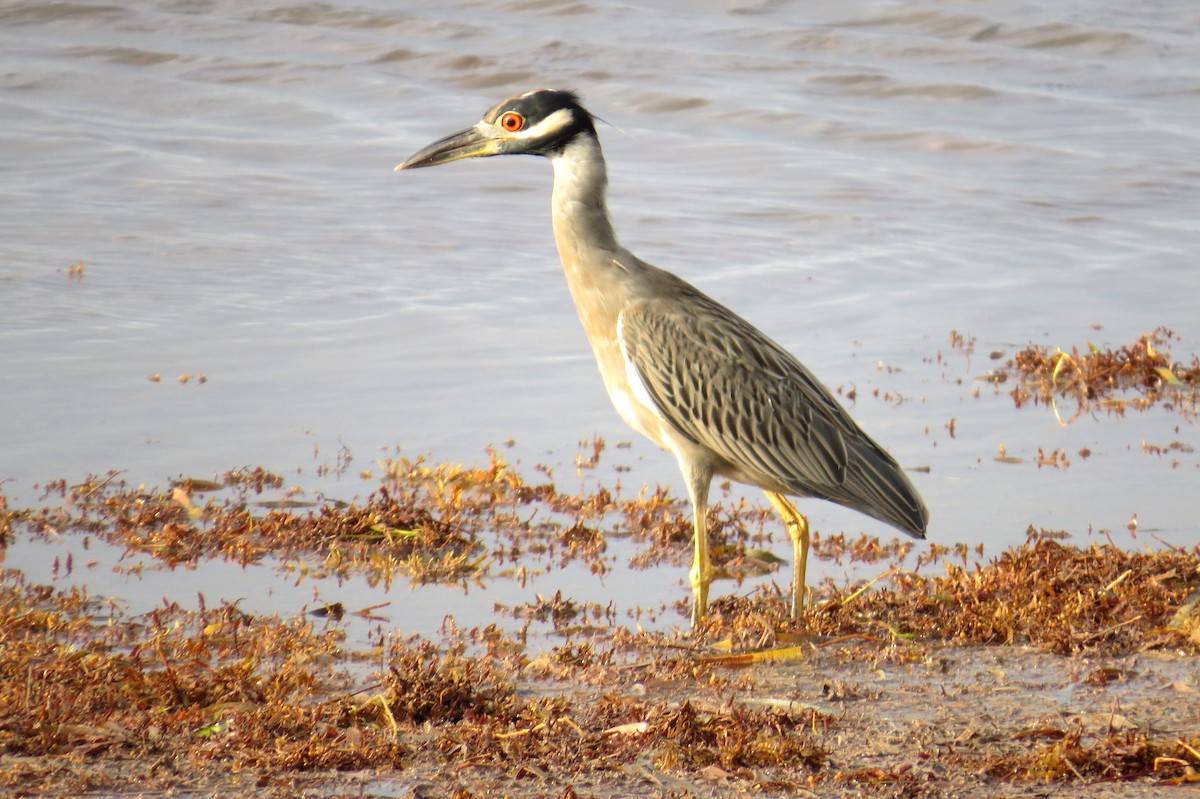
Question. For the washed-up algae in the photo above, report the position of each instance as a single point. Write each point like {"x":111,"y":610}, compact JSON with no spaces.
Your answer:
{"x":1051,"y":668}
{"x":1130,"y":377}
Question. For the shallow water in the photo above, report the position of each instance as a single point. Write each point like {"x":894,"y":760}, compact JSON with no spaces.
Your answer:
{"x":859,"y":180}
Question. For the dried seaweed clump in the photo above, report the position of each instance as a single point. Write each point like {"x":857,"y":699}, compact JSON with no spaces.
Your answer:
{"x":93,"y":700}
{"x":1120,"y":755}
{"x":1097,"y":377}
{"x":1062,"y":598}
{"x":1068,"y":599}
{"x":392,"y":530}
{"x":424,"y":685}
{"x":735,"y":739}
{"x":555,"y":737}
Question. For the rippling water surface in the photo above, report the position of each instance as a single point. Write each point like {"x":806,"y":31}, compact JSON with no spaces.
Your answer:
{"x":860,"y":179}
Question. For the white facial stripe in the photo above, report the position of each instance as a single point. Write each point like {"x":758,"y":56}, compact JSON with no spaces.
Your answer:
{"x":557,"y":121}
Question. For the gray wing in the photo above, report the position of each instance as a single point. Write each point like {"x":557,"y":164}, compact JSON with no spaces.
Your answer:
{"x":722,"y":383}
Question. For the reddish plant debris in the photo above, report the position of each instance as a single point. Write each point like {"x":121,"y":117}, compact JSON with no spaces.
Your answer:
{"x":1102,"y":378}
{"x":901,"y":686}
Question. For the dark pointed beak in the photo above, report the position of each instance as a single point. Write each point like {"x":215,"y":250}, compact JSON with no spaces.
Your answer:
{"x":469,"y":143}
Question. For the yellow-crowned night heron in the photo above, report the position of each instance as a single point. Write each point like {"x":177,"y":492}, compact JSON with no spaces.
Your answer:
{"x":681,"y":368}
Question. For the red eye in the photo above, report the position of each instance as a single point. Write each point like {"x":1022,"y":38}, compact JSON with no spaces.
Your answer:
{"x":512,"y":121}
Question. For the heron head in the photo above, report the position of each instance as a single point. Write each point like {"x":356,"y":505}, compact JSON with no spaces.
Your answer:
{"x":540,"y":122}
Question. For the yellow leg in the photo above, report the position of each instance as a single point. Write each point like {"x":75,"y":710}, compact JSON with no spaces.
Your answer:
{"x":701,"y":573}
{"x":797,"y":527}
{"x":698,"y":476}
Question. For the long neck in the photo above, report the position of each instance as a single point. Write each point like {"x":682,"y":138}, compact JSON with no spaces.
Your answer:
{"x":582,"y":228}
{"x":593,"y":262}
{"x":604,"y":278}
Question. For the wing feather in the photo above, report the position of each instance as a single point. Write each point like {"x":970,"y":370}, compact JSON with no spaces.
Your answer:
{"x":726,"y":386}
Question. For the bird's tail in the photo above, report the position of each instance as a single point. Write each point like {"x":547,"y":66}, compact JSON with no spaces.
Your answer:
{"x":879,"y":488}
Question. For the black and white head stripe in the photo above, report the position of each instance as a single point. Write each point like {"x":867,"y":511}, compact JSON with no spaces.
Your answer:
{"x":541,"y":121}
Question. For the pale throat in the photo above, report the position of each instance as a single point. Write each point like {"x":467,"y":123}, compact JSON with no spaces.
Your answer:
{"x":581,"y":222}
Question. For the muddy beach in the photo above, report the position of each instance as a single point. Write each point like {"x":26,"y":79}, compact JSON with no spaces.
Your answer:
{"x":1053,"y":668}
